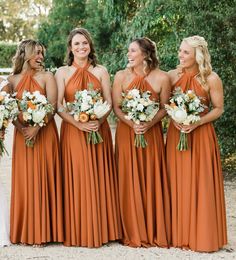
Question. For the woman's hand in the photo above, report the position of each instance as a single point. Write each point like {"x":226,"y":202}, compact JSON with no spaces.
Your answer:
{"x":90,"y":126}
{"x":189,"y":128}
{"x":177,"y":125}
{"x":30,"y":132}
{"x":142,"y":128}
{"x":2,"y":133}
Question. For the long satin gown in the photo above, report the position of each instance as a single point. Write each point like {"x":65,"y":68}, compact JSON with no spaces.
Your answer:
{"x":143,"y":186}
{"x":36,"y":197}
{"x":91,"y":207}
{"x":196,"y":182}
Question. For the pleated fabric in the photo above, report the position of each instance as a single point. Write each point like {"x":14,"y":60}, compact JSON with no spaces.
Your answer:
{"x":91,"y":207}
{"x":196,"y":183}
{"x":143,"y":186}
{"x":36,"y":196}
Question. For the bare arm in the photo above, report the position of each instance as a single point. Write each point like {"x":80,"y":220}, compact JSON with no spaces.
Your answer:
{"x":217,"y":100}
{"x":117,"y":97}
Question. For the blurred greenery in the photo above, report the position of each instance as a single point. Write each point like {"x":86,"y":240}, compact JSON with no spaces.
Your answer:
{"x":113,"y":24}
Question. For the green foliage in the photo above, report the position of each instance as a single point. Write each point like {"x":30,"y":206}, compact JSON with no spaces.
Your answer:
{"x":7,"y":51}
{"x":114,"y":24}
{"x":63,"y":17}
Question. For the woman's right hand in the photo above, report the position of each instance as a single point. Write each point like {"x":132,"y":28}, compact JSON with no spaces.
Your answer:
{"x":177,"y":125}
{"x":2,"y":133}
{"x":90,"y":126}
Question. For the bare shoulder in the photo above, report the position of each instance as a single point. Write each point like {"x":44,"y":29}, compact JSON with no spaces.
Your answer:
{"x":174,"y":75}
{"x":47,"y":74}
{"x":14,"y":78}
{"x":162,"y":75}
{"x":122,"y":74}
{"x":101,"y":68}
{"x":213,"y":79}
{"x":62,"y":70}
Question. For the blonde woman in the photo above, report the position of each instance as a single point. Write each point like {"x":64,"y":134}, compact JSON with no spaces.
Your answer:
{"x":4,"y":214}
{"x":195,"y":175}
{"x":36,"y":194}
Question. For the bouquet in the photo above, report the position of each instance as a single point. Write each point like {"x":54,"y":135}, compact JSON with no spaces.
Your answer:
{"x":35,"y":109}
{"x":89,"y":105}
{"x":184,"y":108}
{"x":138,"y":107}
{"x":8,"y":112}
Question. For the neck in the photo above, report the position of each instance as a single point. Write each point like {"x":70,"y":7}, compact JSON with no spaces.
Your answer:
{"x":81,"y":62}
{"x":192,"y":69}
{"x":139,"y":70}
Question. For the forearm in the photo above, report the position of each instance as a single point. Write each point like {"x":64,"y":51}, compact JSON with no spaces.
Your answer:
{"x":121,"y":116}
{"x":159,"y":116}
{"x":211,"y":116}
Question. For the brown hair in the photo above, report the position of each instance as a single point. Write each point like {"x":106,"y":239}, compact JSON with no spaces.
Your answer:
{"x":24,"y":52}
{"x":148,"y":48}
{"x":86,"y":34}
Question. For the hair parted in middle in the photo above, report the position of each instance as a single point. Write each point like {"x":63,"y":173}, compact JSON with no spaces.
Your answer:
{"x":149,"y":49}
{"x":25,"y":51}
{"x":92,"y":55}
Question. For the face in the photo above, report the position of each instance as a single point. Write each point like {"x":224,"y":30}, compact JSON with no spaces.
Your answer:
{"x":36,"y":61}
{"x":186,"y":56}
{"x":135,"y":55}
{"x":80,"y":46}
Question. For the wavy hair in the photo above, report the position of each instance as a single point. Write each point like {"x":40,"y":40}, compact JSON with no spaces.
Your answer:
{"x":25,"y":51}
{"x":202,"y":56}
{"x":70,"y":56}
{"x":148,"y":48}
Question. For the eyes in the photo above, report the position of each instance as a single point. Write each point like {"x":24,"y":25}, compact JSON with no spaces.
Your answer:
{"x":183,"y":51}
{"x":84,"y":43}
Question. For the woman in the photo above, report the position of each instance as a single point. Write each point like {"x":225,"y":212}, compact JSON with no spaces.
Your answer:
{"x":91,"y":208}
{"x":4,"y":215}
{"x":197,"y":192}
{"x":36,"y":198}
{"x":143,"y":188}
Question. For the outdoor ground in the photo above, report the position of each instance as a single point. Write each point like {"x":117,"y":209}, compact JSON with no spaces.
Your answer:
{"x":113,"y":250}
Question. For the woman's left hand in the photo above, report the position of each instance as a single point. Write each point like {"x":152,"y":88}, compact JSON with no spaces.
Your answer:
{"x":142,"y":128}
{"x":30,"y":132}
{"x":189,"y":128}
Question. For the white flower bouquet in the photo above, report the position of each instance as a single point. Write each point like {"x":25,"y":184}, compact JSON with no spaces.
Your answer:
{"x":89,"y":105}
{"x":184,"y":108}
{"x":8,"y":112}
{"x":35,"y":109}
{"x":138,"y":107}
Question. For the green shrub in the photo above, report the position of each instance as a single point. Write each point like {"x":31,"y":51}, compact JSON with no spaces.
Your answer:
{"x":7,"y":51}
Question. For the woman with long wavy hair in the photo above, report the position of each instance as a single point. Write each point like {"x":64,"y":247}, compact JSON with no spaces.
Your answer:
{"x":195,"y":175}
{"x":36,"y":194}
{"x":143,"y":187}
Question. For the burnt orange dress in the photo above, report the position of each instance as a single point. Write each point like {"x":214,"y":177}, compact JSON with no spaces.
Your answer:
{"x":36,"y":196}
{"x":143,"y":186}
{"x":91,"y":207}
{"x":195,"y":175}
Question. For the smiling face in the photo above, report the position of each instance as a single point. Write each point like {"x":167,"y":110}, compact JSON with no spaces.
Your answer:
{"x":80,"y":46}
{"x":35,"y":62}
{"x":135,"y":55}
{"x":186,"y":56}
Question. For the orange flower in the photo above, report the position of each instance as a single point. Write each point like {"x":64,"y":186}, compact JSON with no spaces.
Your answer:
{"x":31,"y":105}
{"x":173,"y":105}
{"x":129,"y":97}
{"x":1,"y":98}
{"x":83,"y":117}
{"x":93,"y":117}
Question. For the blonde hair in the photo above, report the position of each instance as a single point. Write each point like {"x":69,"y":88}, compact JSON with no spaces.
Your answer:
{"x":24,"y":52}
{"x":202,"y":56}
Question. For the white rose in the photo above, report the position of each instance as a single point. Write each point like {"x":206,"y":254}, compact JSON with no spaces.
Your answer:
{"x":85,"y":106}
{"x":140,"y":107}
{"x":142,"y":117}
{"x":38,"y":115}
{"x":26,"y":116}
{"x":179,"y":115}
